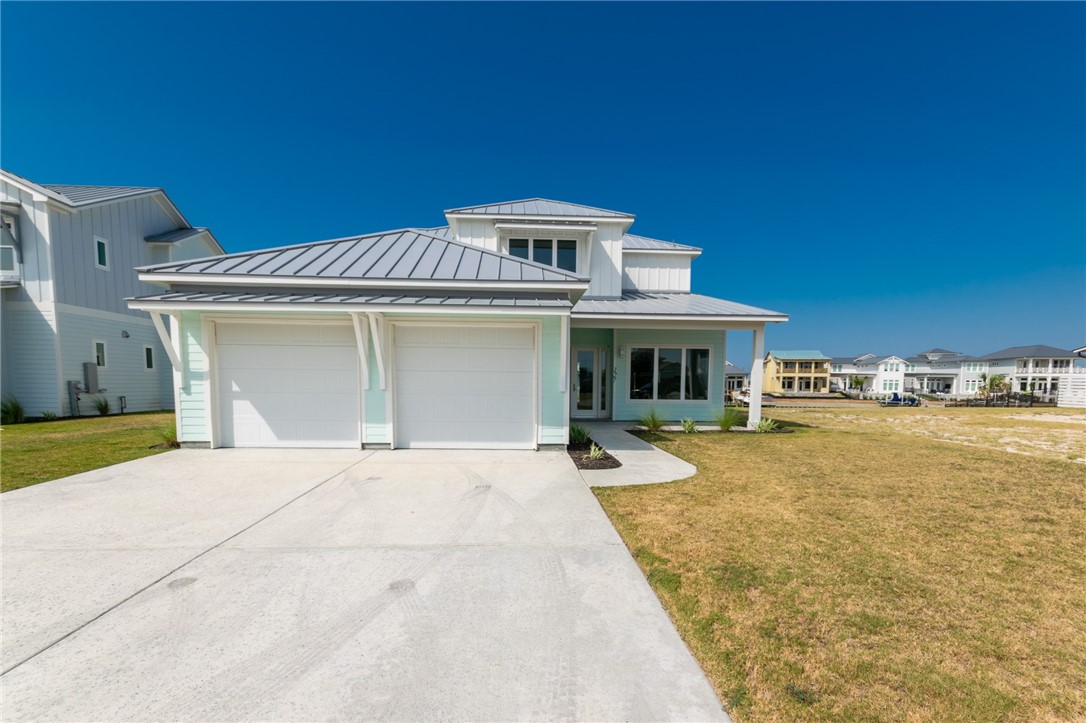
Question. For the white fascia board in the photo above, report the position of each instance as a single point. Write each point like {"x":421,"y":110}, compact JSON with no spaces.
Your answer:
{"x":657,"y":252}
{"x":636,"y":319}
{"x":519,"y":217}
{"x":326,"y":308}
{"x":196,"y":279}
{"x":547,"y":226}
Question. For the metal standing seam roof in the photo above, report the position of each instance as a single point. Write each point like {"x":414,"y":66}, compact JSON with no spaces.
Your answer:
{"x":669,"y":304}
{"x":1021,"y":352}
{"x":405,"y":254}
{"x":383,"y":297}
{"x":176,"y":235}
{"x":83,"y":195}
{"x":795,"y":354}
{"x":537,"y":207}
{"x":630,"y":242}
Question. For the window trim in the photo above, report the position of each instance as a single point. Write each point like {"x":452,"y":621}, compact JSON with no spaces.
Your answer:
{"x":105,"y":245}
{"x":105,"y":353}
{"x":628,"y":351}
{"x":553,"y":241}
{"x":153,"y":367}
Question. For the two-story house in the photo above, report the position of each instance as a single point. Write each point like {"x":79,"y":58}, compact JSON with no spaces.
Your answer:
{"x":67,"y":259}
{"x":796,"y":372}
{"x":491,"y":332}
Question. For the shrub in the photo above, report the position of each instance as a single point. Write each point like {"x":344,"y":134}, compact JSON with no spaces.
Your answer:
{"x":12,"y":412}
{"x":577,"y":434}
{"x":594,"y":452}
{"x":651,"y":420}
{"x":102,"y":405}
{"x":49,"y":416}
{"x":690,"y":426}
{"x":168,"y":435}
{"x":765,"y":425}
{"x":729,"y":417}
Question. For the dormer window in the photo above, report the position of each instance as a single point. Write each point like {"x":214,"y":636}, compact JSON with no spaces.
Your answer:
{"x":559,"y":253}
{"x":9,"y":243}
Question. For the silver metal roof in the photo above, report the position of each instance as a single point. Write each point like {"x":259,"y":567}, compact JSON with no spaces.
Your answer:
{"x":406,"y":254}
{"x":404,"y":298}
{"x":664,"y":304}
{"x":444,"y":232}
{"x":631,"y":242}
{"x":176,"y":235}
{"x":83,"y":195}
{"x":538,"y":207}
{"x":1025,"y":352}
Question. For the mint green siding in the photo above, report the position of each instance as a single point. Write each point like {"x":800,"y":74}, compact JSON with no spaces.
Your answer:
{"x":626,"y":409}
{"x":194,"y":396}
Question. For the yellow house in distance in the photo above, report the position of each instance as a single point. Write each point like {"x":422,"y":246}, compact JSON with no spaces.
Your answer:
{"x":806,"y":371}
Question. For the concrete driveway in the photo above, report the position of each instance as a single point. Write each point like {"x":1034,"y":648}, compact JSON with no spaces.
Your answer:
{"x":316,"y":585}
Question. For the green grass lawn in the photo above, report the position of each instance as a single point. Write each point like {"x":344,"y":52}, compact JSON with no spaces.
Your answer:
{"x":883,"y":564}
{"x":33,"y":453}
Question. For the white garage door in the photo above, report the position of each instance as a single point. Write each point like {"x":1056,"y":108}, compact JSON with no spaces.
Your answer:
{"x":465,"y":386}
{"x":287,"y":385}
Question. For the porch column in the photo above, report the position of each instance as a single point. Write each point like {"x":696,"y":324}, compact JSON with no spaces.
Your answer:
{"x":756,"y":371}
{"x":724,"y":353}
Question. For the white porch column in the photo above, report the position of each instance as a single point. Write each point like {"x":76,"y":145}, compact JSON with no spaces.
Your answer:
{"x":724,"y":352}
{"x":756,"y":370}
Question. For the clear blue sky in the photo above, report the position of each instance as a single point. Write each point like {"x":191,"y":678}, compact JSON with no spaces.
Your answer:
{"x":894,"y":176}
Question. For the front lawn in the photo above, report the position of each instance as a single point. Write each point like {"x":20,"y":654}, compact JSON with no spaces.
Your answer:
{"x":878,"y":564}
{"x":33,"y":453}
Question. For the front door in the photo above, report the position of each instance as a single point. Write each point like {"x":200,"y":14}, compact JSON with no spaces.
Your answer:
{"x":588,"y":379}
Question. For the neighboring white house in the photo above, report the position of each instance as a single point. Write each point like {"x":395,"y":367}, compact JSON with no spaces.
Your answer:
{"x":491,"y":332}
{"x":67,"y":259}
{"x":1038,"y":369}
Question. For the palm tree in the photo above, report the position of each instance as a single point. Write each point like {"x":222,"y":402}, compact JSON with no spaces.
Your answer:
{"x":857,"y":382}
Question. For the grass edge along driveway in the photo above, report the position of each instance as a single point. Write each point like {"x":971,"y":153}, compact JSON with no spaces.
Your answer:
{"x":43,"y":451}
{"x":861,"y":572}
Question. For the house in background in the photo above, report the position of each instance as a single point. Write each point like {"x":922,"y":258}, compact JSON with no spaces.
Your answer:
{"x":1039,"y":369}
{"x":736,"y":378}
{"x":491,"y":332}
{"x":796,"y":372}
{"x":67,"y":261}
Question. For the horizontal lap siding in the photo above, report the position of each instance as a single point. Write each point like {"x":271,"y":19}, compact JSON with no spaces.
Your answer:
{"x":554,"y":401}
{"x":627,"y":410}
{"x":125,"y":373}
{"x":193,"y":395}
{"x":30,"y":357}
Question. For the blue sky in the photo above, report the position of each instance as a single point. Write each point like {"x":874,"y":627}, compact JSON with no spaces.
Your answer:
{"x":894,"y":176}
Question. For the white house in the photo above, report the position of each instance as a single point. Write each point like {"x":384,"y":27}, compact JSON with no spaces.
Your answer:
{"x":67,"y":259}
{"x":1037,"y":368}
{"x":491,"y":332}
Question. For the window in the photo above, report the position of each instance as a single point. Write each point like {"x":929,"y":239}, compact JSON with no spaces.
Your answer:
{"x":910,"y":367}
{"x":559,"y":253}
{"x":891,"y":367}
{"x":891,"y":385}
{"x":974,"y":366}
{"x":101,"y":252}
{"x":148,"y":357}
{"x":100,"y":353}
{"x":835,"y":368}
{"x":669,"y":374}
{"x":9,"y":241}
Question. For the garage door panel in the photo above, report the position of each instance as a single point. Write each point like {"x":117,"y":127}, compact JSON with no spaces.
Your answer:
{"x":288,"y":385}
{"x":465,"y":386}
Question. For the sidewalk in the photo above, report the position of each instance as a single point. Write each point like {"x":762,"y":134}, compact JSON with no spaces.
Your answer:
{"x":642,"y":463}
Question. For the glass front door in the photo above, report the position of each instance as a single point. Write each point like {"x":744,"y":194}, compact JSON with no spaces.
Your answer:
{"x":588,"y":382}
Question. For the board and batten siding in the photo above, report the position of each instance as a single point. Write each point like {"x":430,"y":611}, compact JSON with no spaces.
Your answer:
{"x":30,"y":355}
{"x":125,"y":373}
{"x":124,"y":225}
{"x":655,"y":272}
{"x":36,"y":264}
{"x":626,"y":409}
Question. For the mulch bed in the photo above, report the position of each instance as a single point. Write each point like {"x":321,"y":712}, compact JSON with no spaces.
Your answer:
{"x":579,"y":454}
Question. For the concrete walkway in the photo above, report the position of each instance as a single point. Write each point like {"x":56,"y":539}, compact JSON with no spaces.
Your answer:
{"x":642,"y":463}
{"x":305,"y":585}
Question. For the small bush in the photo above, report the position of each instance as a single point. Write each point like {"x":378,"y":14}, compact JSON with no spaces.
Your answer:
{"x":168,"y":435}
{"x":595,"y":452}
{"x":12,"y":412}
{"x":651,"y":421}
{"x":690,"y":426}
{"x":577,"y":434}
{"x":101,"y":404}
{"x":765,"y":425}
{"x":49,"y":416}
{"x":729,"y":417}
